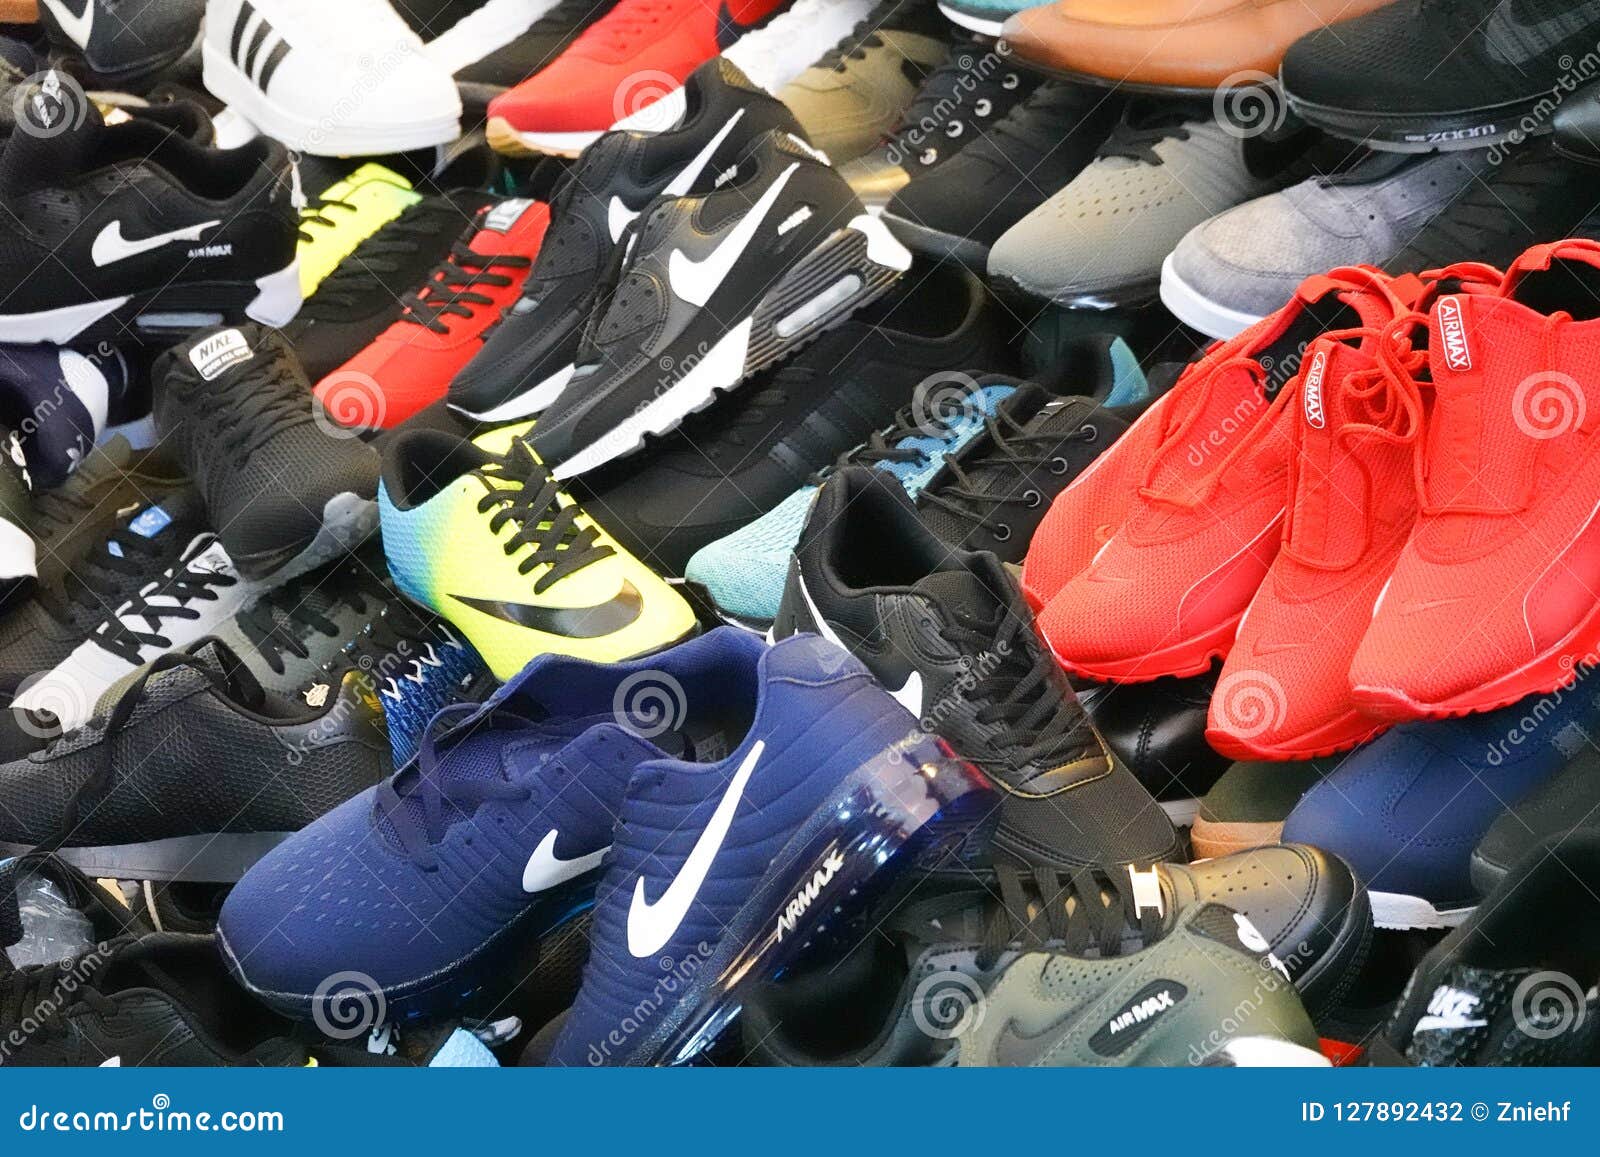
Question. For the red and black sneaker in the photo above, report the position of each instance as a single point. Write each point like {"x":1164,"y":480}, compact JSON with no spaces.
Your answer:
{"x":638,"y":54}
{"x":409,"y":365}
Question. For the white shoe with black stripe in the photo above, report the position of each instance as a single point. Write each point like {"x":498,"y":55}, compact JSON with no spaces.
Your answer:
{"x":331,"y":79}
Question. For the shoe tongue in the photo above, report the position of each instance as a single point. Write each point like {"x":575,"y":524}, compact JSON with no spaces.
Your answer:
{"x":973,"y":597}
{"x":222,"y":660}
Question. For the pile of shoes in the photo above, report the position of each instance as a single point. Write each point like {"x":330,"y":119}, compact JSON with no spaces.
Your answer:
{"x":798,"y":533}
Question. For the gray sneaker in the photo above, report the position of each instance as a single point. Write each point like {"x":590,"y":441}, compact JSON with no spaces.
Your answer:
{"x":1099,"y":242}
{"x":1239,"y":266}
{"x":1209,"y":982}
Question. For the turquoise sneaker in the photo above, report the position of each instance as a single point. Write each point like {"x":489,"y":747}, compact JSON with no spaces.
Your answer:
{"x":985,"y":16}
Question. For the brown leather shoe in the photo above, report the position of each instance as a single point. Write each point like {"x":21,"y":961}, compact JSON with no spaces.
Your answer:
{"x":1191,"y":45}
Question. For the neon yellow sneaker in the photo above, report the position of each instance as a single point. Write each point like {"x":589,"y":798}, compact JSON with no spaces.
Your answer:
{"x":480,"y":533}
{"x":347,"y":213}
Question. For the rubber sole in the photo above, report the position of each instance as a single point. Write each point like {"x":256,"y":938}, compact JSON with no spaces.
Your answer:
{"x":1397,"y":911}
{"x":512,"y":142}
{"x":1199,"y":312}
{"x":1211,"y":839}
{"x":1190,"y":657}
{"x":1350,"y":730}
{"x":1325,"y":983}
{"x":934,"y":243}
{"x":851,"y":268}
{"x":1131,"y":295}
{"x":1430,"y":132}
{"x":214,"y":858}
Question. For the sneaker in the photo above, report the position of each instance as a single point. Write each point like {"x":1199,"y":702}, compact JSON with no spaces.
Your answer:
{"x":855,"y":94}
{"x":1242,"y":264}
{"x":282,"y":64}
{"x":743,"y":573}
{"x":60,"y":401}
{"x":1514,"y":985}
{"x":234,"y":408}
{"x":528,"y":358}
{"x":1487,"y":522}
{"x":1185,"y":552}
{"x":794,"y":40}
{"x":636,"y":55}
{"x":1473,"y":76}
{"x":161,"y":234}
{"x":957,"y":103}
{"x":441,"y":328}
{"x":118,"y":799}
{"x":1407,"y":810}
{"x":730,"y":465}
{"x":50,"y":912}
{"x":960,"y":209}
{"x":785,"y":249}
{"x":1200,"y":979}
{"x":486,"y":76}
{"x":346,"y":214}
{"x":1284,"y":691}
{"x":122,"y":51}
{"x":481,"y":534}
{"x":1247,"y":805}
{"x":1172,"y":44}
{"x":366,"y":292}
{"x":1569,"y":801}
{"x":986,"y":17}
{"x":900,"y":996}
{"x":1099,"y":242}
{"x":949,"y":636}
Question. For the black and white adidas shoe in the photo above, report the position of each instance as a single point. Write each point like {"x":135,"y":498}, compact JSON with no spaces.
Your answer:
{"x":122,"y":44}
{"x":709,"y":290}
{"x":528,"y":358}
{"x":107,"y":229}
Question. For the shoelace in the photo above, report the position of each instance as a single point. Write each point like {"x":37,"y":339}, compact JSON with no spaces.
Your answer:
{"x":187,"y":585}
{"x":275,"y":638}
{"x":1036,"y":123}
{"x":942,"y":96}
{"x":276,"y":401}
{"x":452,"y":286}
{"x":399,"y":644}
{"x":1032,"y":913}
{"x":889,"y":445}
{"x":519,"y":490}
{"x":1144,"y":126}
{"x":33,"y":993}
{"x":318,"y":214}
{"x":84,"y":588}
{"x":606,"y":288}
{"x":1010,"y":452}
{"x":383,"y":253}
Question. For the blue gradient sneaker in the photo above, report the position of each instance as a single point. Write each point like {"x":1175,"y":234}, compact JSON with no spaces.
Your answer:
{"x":1406,"y":810}
{"x":803,"y":789}
{"x":744,"y":572}
{"x":985,"y":16}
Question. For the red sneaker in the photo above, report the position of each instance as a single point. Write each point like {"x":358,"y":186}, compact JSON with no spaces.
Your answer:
{"x":1495,"y":596}
{"x":1164,"y":595}
{"x":632,"y":57}
{"x":1284,"y":692}
{"x":409,"y":365}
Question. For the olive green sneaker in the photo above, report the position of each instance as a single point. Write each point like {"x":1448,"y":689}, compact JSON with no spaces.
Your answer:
{"x":1246,"y":808}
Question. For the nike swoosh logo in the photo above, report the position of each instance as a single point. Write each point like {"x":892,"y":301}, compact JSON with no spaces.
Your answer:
{"x":696,"y":281}
{"x":619,"y":216}
{"x":1446,"y":1024}
{"x":909,"y":694}
{"x":1513,"y":41}
{"x":1416,"y":608}
{"x":569,"y":622}
{"x":1262,"y":649}
{"x":111,"y":246}
{"x":77,"y":28}
{"x":545,"y":869}
{"x":1014,"y":1048}
{"x":651,"y":926}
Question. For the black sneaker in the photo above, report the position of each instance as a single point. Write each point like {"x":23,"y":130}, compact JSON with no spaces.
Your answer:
{"x":958,"y":103}
{"x":286,"y":491}
{"x":731,"y":464}
{"x":1426,"y":74}
{"x":948,"y":634}
{"x":959,"y":209}
{"x":528,"y":358}
{"x":133,"y":227}
{"x":193,"y":772}
{"x":1519,"y":982}
{"x":1535,"y":194}
{"x":60,"y":402}
{"x":510,"y":65}
{"x":782,"y":249}
{"x":365,"y":293}
{"x":1568,"y":801}
{"x":118,"y":45}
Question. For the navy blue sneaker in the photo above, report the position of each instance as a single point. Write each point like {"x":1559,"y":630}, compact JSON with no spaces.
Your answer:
{"x":803,"y":789}
{"x":1406,"y":810}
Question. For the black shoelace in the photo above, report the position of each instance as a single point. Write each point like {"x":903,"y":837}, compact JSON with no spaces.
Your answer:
{"x":1032,"y":913}
{"x":87,"y":590}
{"x":319,"y":214}
{"x":281,"y":621}
{"x":890,"y":446}
{"x":452,"y":287}
{"x":522,"y":492}
{"x":1009,"y":454}
{"x":383,"y":253}
{"x":34,"y":992}
{"x":397,"y":644}
{"x":1144,"y":125}
{"x":1040,"y":122}
{"x":944,"y":101}
{"x":274,"y":401}
{"x":605,"y":289}
{"x":186,"y":586}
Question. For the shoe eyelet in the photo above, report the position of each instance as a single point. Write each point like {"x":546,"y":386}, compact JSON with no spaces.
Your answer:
{"x":983,"y":108}
{"x":1089,"y":433}
{"x":1002,"y":533}
{"x":1011,"y":81}
{"x":954,"y":129}
{"x":1032,"y":499}
{"x":929,"y":156}
{"x":1059,"y":465}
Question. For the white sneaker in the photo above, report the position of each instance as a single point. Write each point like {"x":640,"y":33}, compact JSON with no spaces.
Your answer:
{"x":795,"y":40}
{"x":329,"y":77}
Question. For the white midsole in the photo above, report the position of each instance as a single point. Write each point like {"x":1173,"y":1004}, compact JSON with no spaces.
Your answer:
{"x":278,"y":297}
{"x":1399,"y":911}
{"x":533,"y":401}
{"x":18,"y":555}
{"x":56,"y":325}
{"x":1199,"y":312}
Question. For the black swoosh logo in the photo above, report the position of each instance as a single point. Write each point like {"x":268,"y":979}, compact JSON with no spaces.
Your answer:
{"x":571,"y":622}
{"x":1015,"y":1049}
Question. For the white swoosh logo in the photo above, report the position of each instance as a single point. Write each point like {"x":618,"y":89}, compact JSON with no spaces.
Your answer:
{"x":1446,"y":1023}
{"x":545,"y":870}
{"x":908,"y":696}
{"x":619,"y":216}
{"x":76,"y":27}
{"x":111,"y":246}
{"x":696,"y":281}
{"x":650,"y":926}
